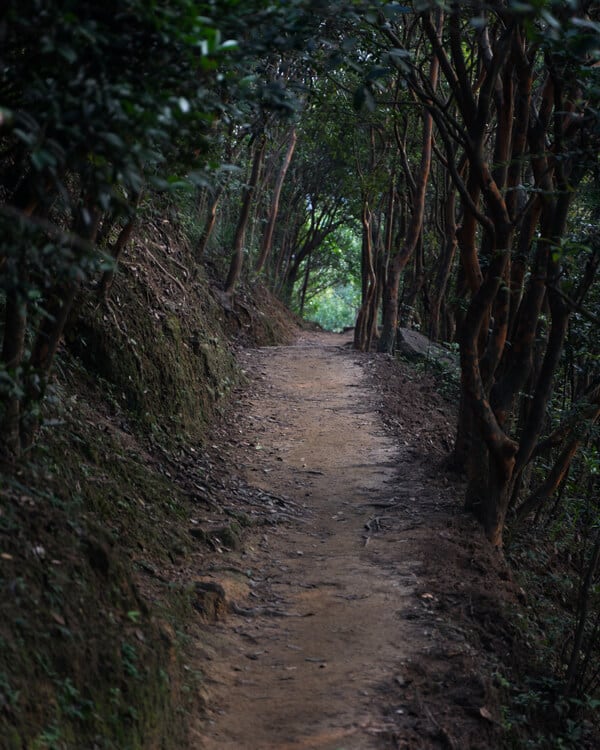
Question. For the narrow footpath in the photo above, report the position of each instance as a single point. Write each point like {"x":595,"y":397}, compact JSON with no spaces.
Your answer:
{"x":333,"y":637}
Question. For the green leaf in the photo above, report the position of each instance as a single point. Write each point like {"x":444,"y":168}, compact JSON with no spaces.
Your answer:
{"x":519,"y":7}
{"x":6,"y":117}
{"x":113,"y":139}
{"x":41,"y":159}
{"x":27,"y":137}
{"x":378,"y":72}
{"x":68,"y":53}
{"x":478,"y":22}
{"x":393,"y":10}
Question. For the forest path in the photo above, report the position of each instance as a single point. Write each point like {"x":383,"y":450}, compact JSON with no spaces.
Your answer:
{"x":331,"y":625}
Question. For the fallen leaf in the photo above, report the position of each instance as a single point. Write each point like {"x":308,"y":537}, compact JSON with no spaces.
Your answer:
{"x":59,"y":619}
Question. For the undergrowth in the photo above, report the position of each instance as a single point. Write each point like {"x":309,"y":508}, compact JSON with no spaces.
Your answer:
{"x":550,"y":683}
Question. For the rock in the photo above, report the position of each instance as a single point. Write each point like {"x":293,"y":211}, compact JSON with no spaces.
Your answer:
{"x":215,"y":598}
{"x":416,"y":346}
{"x":229,"y":536}
{"x":210,"y":600}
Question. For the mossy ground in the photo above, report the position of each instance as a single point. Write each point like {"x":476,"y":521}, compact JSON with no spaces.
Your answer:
{"x":84,"y":660}
{"x":91,"y":657}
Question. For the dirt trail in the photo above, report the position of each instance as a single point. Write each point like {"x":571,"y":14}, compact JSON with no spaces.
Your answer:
{"x":330,"y":620}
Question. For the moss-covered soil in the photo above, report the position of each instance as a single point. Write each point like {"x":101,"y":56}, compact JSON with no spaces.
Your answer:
{"x":115,"y":497}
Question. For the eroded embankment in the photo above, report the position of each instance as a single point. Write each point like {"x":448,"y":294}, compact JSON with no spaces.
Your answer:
{"x":94,"y":522}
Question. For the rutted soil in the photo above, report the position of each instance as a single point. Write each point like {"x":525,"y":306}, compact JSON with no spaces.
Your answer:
{"x":368,"y":615}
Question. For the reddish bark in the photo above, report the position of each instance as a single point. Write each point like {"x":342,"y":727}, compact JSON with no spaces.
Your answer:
{"x":237,"y":258}
{"x":118,"y":248}
{"x":445,"y":262}
{"x":387,"y":340}
{"x":209,"y":224}
{"x":268,"y":235}
{"x":555,"y":477}
{"x":362,"y":330}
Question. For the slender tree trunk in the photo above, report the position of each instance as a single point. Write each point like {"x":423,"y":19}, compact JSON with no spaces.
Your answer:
{"x":287,"y":288}
{"x":305,"y":283}
{"x":283,"y":260}
{"x":445,"y":264}
{"x":383,"y":258}
{"x":409,"y":313}
{"x":118,"y":248}
{"x":268,"y":235}
{"x":554,"y":479}
{"x":237,"y":259}
{"x":13,"y":348}
{"x":209,"y":224}
{"x":361,"y":330}
{"x":387,"y":340}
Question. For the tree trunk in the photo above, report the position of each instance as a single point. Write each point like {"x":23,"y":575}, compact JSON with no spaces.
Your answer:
{"x":209,"y":224}
{"x":491,"y":505}
{"x":13,"y":347}
{"x":387,"y":340}
{"x":13,"y":344}
{"x":409,"y":315}
{"x":118,"y":248}
{"x":305,"y":284}
{"x":444,"y":265}
{"x":554,"y":479}
{"x":237,"y":259}
{"x":268,"y":235}
{"x":362,"y":330}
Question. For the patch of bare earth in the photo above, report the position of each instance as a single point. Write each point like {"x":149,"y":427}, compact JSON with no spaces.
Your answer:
{"x":369,"y":615}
